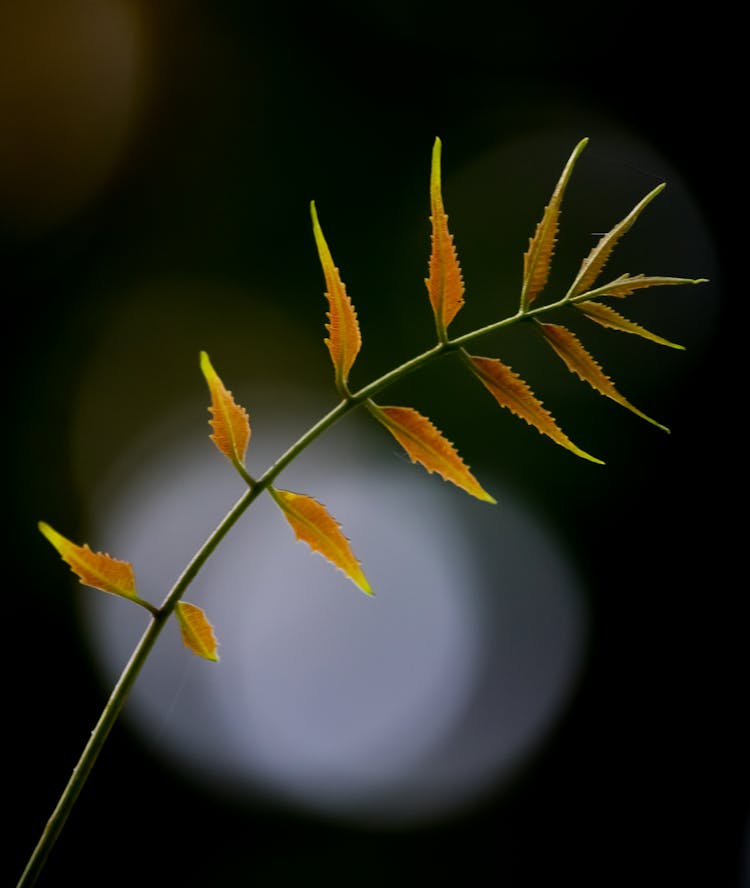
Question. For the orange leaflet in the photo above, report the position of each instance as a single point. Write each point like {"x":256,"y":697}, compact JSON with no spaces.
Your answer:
{"x":426,"y":445}
{"x":608,"y":317}
{"x":597,"y":258}
{"x":510,"y":391}
{"x":197,"y":632}
{"x":94,"y":568}
{"x":568,"y":347}
{"x":312,"y":524}
{"x":537,"y":260}
{"x":445,"y":284}
{"x":344,"y":339}
{"x":230,"y":423}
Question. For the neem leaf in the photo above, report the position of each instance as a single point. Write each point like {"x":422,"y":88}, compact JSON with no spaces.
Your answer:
{"x":312,"y":524}
{"x":538,"y":258}
{"x":426,"y":445}
{"x":445,"y":284}
{"x":510,"y":391}
{"x":568,"y":347}
{"x":197,"y":632}
{"x":597,"y":258}
{"x":627,"y":284}
{"x":230,"y":423}
{"x":608,"y":317}
{"x":94,"y":569}
{"x":344,"y":339}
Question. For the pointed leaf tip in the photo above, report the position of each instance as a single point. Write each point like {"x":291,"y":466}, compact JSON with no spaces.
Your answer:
{"x":95,"y":569}
{"x":445,"y":284}
{"x":344,"y":338}
{"x":314,"y":525}
{"x":425,"y":444}
{"x":230,"y":424}
{"x":197,"y":633}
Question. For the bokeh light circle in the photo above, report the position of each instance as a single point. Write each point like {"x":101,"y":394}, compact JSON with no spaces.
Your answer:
{"x":393,"y":709}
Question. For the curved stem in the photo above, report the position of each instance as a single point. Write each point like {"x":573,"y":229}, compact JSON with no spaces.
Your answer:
{"x":160,"y":616}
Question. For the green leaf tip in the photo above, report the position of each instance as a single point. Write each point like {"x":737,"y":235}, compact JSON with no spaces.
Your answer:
{"x":593,"y":264}
{"x":437,"y":148}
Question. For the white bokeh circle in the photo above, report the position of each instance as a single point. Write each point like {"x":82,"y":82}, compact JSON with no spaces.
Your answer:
{"x":397,"y":708}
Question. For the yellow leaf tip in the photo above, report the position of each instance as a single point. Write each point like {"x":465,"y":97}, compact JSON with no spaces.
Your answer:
{"x":52,"y":535}
{"x":48,"y":532}
{"x":205,"y":364}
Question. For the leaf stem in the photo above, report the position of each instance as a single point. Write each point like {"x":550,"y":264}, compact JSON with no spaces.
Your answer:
{"x":160,"y":616}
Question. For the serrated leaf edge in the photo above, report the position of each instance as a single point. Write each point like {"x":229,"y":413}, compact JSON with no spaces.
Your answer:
{"x":445,"y":284}
{"x":517,"y":406}
{"x":344,"y":339}
{"x":606,"y":316}
{"x":470,"y":484}
{"x":537,"y":260}
{"x":225,"y":412}
{"x":192,"y":639}
{"x":595,"y":377}
{"x":354,"y":573}
{"x":594,"y":263}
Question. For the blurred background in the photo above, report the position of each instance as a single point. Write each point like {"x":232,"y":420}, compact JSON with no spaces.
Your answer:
{"x":547,"y":689}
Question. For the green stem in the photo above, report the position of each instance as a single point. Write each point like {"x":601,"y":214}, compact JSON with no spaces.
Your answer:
{"x":129,"y":674}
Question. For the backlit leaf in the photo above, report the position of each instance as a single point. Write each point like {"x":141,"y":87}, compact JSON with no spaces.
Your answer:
{"x":445,"y":284}
{"x":510,"y":391}
{"x":197,"y":632}
{"x":94,"y":569}
{"x":608,"y":317}
{"x":580,"y":362}
{"x":312,"y":523}
{"x":593,"y":264}
{"x":230,"y":423}
{"x":627,"y":284}
{"x":344,"y":339}
{"x":538,"y":258}
{"x":426,"y":445}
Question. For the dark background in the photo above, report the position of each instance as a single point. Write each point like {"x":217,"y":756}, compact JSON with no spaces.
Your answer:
{"x":199,"y":168}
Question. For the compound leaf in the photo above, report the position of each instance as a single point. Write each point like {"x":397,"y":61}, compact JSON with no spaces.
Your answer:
{"x":569,"y":348}
{"x":426,"y":445}
{"x":593,"y":264}
{"x":94,"y":569}
{"x":511,"y":391}
{"x":445,"y":283}
{"x":231,"y":428}
{"x":344,"y":339}
{"x":312,"y":523}
{"x":197,"y":632}
{"x":608,"y":317}
{"x":537,"y":259}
